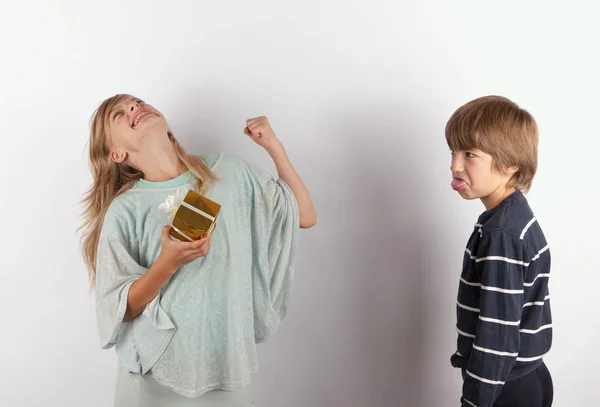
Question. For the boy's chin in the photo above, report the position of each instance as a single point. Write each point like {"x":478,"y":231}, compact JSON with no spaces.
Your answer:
{"x":468,"y":195}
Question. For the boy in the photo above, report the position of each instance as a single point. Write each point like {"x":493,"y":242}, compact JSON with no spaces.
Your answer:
{"x":504,"y":322}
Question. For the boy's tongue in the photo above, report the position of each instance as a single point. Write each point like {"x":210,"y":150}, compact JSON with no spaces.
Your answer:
{"x":458,"y":184}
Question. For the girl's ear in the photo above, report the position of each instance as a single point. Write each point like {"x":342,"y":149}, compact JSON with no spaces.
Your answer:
{"x":118,"y":156}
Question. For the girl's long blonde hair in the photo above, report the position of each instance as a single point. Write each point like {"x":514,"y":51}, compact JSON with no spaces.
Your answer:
{"x":111,"y":179}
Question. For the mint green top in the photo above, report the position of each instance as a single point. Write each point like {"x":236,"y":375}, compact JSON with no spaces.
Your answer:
{"x":200,"y":332}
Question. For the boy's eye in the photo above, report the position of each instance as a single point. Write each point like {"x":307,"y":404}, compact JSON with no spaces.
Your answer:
{"x":451,"y":152}
{"x":470,"y":155}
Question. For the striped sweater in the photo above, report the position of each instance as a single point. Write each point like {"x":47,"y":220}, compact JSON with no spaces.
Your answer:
{"x":504,"y":322}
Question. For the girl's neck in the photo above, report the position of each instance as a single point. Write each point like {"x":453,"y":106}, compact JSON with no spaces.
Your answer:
{"x":160,"y":163}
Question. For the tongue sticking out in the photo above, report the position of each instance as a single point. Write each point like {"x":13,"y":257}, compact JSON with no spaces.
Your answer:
{"x":458,"y":184}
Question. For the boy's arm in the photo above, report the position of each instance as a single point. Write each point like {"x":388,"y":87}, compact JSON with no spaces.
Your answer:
{"x":501,"y":267}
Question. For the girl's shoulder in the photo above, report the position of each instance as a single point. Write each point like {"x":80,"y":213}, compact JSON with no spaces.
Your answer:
{"x":217,"y":161}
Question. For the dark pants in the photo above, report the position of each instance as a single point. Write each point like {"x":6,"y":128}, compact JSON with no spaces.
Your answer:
{"x":532,"y":390}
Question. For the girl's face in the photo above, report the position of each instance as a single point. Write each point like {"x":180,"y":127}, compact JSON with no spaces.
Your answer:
{"x":133,"y":125}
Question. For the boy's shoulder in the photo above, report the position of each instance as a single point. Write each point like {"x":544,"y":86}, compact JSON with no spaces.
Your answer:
{"x":513,"y":216}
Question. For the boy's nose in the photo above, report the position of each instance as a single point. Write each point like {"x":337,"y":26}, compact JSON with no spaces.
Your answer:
{"x":456,"y":165}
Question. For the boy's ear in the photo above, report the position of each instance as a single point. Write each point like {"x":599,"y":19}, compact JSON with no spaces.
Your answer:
{"x":512,"y":170}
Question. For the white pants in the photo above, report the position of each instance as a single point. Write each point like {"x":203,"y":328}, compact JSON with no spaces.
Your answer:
{"x":135,"y":390}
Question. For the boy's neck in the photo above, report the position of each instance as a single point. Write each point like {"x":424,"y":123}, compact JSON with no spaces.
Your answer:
{"x":496,"y":197}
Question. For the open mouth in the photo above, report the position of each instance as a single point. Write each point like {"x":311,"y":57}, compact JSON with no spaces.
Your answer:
{"x":141,"y":116}
{"x":459,"y":184}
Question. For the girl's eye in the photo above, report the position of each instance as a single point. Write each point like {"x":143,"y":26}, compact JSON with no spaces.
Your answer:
{"x":116,"y":114}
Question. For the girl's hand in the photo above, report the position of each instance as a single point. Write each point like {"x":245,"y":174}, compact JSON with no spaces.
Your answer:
{"x":260,"y":131}
{"x":178,"y":254}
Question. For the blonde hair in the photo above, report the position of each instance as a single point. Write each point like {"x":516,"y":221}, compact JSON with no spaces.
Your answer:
{"x":499,"y":127}
{"x":111,"y":179}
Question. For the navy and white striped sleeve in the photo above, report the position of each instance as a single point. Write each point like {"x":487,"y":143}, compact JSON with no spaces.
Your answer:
{"x":500,"y":264}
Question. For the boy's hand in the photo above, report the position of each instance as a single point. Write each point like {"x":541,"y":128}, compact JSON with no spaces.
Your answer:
{"x":260,"y":131}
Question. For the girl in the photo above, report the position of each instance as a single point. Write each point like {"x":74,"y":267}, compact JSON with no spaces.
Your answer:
{"x":185,"y":316}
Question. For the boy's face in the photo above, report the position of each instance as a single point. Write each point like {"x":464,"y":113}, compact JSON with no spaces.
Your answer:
{"x":474,"y":177}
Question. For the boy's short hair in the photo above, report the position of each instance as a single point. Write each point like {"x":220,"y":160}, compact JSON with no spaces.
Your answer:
{"x":499,"y":127}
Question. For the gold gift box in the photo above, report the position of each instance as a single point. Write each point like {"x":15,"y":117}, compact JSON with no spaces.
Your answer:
{"x":195,"y":218}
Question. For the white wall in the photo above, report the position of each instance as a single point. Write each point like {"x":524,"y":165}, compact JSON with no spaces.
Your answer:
{"x":359,"y":92}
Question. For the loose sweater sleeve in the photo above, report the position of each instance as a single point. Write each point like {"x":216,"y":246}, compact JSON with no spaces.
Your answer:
{"x":117,"y":268}
{"x":274,"y":229}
